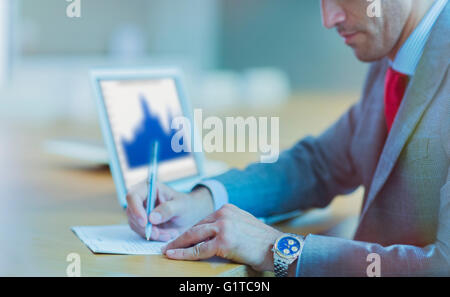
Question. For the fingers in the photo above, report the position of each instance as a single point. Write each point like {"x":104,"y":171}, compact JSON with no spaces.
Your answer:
{"x":193,"y":236}
{"x":136,"y":228}
{"x":136,"y":220}
{"x":164,"y":233}
{"x":202,"y":250}
{"x":168,"y":205}
{"x":135,"y":208}
{"x":158,"y":234}
{"x":137,"y":200}
{"x":166,"y":211}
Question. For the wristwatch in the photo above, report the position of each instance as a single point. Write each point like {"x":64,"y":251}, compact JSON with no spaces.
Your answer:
{"x":286,"y":250}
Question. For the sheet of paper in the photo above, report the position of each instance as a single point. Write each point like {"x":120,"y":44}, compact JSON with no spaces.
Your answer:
{"x":116,"y":239}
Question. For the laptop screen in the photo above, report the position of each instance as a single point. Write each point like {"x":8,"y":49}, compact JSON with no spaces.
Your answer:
{"x":139,"y":113}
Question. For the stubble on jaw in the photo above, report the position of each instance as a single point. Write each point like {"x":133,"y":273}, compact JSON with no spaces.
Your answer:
{"x":383,"y":34}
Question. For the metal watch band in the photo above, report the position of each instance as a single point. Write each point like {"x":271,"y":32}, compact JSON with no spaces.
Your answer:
{"x":281,"y":265}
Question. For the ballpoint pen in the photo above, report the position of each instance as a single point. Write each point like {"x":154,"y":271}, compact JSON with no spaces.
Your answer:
{"x":151,"y":183}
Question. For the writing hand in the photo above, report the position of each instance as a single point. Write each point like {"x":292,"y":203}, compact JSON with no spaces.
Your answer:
{"x":174,"y":212}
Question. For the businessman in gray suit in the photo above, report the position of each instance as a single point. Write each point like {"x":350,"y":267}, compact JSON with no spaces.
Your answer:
{"x":395,"y":142}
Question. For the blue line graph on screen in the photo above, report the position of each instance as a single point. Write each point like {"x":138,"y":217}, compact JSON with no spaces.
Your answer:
{"x":137,"y":149}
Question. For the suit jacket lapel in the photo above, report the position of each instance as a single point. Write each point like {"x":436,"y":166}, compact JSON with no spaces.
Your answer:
{"x":427,"y":79}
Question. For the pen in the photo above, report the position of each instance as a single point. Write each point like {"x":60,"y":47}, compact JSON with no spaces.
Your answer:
{"x":151,"y":182}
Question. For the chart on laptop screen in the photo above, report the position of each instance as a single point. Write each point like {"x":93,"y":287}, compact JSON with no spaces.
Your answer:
{"x":139,"y":113}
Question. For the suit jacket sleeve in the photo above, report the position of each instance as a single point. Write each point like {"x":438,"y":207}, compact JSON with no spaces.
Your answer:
{"x":308,"y":175}
{"x":329,"y":256}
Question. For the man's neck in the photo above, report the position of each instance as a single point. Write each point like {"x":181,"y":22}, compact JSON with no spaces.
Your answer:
{"x":418,"y":11}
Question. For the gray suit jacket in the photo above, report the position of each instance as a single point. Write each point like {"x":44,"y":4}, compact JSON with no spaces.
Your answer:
{"x":406,"y":212}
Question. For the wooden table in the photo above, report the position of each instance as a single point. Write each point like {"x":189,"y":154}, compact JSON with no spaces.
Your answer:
{"x":43,"y":196}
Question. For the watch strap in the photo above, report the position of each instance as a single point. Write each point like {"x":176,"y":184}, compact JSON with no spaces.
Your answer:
{"x":280,"y":264}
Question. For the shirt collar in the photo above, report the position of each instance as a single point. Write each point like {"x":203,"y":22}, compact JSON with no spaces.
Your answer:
{"x":409,"y":55}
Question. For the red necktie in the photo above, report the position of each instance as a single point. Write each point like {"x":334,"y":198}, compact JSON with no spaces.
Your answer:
{"x":394,"y":90}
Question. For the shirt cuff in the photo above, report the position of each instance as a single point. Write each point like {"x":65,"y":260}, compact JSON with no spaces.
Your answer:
{"x":218,"y":192}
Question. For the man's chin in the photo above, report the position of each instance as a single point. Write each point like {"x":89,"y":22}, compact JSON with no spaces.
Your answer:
{"x":365,"y":55}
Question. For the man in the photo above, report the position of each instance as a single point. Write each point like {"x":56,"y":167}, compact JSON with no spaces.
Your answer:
{"x":395,"y":142}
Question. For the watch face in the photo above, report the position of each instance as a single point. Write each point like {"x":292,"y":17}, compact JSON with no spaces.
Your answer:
{"x":288,"y":246}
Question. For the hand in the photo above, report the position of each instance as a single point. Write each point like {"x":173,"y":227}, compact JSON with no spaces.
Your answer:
{"x":174,"y":212}
{"x":229,"y":233}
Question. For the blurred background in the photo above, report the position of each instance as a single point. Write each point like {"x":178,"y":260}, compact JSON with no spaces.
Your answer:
{"x":233,"y":53}
{"x":239,"y":58}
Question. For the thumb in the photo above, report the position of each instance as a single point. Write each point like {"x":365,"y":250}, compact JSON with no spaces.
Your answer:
{"x":166,"y":211}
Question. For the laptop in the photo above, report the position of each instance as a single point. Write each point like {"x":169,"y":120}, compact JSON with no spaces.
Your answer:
{"x":136,"y":108}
